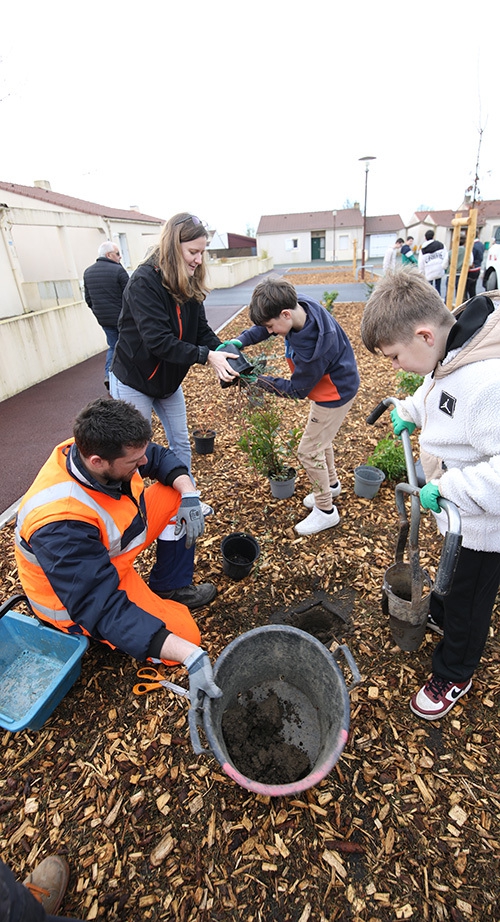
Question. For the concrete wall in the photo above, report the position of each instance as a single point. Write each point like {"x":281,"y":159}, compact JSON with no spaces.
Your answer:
{"x":38,"y":345}
{"x":229,"y":272}
{"x":49,"y":246}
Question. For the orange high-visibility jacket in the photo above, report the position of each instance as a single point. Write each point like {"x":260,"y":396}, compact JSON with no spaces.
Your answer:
{"x":120,"y":603}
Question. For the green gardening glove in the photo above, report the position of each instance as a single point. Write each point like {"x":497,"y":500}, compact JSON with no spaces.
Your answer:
{"x":399,"y":424}
{"x":229,"y":342}
{"x":429,"y":496}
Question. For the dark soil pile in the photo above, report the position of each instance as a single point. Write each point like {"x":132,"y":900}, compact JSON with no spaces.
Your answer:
{"x":253,"y":734}
{"x":406,"y":826}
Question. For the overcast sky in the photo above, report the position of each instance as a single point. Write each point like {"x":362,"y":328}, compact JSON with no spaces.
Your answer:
{"x":232,"y":110}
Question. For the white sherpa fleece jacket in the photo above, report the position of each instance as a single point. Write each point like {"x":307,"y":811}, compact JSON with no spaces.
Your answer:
{"x":458,"y":410}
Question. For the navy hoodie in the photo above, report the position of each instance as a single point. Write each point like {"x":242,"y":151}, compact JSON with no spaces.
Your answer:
{"x":320,"y":357}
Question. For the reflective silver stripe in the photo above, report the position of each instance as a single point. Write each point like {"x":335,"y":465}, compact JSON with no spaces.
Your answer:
{"x":71,"y":490}
{"x":55,"y":614}
{"x":28,"y":555}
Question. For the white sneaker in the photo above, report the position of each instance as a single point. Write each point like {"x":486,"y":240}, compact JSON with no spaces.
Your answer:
{"x":309,"y":499}
{"x":316,"y":521}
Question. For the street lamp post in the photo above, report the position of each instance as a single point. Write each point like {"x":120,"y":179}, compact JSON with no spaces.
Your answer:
{"x":334,"y":214}
{"x":367,"y":160}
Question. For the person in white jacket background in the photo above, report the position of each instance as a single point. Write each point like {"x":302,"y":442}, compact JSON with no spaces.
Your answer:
{"x":391,"y":256}
{"x":433,"y":260}
{"x":456,"y":408}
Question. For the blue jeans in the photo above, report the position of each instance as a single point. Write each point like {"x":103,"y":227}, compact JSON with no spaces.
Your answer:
{"x":111,"y":337}
{"x":171,"y":412}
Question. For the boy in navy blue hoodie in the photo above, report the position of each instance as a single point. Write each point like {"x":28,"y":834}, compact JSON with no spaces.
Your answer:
{"x":323,"y":369}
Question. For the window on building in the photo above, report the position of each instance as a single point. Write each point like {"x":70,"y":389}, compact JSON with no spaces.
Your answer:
{"x":124,"y":250}
{"x":343,"y":241}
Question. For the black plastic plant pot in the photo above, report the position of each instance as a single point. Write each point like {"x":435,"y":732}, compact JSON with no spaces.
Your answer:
{"x":204,"y":441}
{"x":240,"y":364}
{"x":239,"y":553}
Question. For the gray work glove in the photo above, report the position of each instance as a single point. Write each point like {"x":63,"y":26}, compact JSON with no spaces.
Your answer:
{"x":201,"y":677}
{"x":190,"y":514}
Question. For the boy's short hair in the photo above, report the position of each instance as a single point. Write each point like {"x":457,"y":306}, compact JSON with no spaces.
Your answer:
{"x":270,"y":297}
{"x":400,"y":302}
{"x":429,"y":235}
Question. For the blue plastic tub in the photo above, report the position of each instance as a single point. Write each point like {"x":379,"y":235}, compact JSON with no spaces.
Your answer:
{"x":38,"y":666}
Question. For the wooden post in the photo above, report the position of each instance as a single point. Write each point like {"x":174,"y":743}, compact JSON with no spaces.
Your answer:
{"x":354,"y":257}
{"x":458,"y":223}
{"x":469,"y":243}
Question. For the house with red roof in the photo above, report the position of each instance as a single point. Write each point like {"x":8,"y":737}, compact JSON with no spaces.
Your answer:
{"x":48,"y":239}
{"x":332,"y":236}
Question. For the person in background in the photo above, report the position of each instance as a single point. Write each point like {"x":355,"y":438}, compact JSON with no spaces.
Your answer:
{"x":456,"y":409}
{"x":323,"y":369}
{"x":433,"y":260}
{"x":408,"y":257}
{"x":391,"y":255}
{"x":104,"y":283}
{"x":163,"y":330}
{"x":475,"y":269}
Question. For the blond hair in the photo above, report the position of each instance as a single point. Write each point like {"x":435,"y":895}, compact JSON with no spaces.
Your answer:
{"x":400,"y":302}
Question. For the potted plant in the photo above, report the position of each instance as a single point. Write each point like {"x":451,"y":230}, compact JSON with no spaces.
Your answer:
{"x":269,"y":450}
{"x":204,"y":430}
{"x":388,"y":455}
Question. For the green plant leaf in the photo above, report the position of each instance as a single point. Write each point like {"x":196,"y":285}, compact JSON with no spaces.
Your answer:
{"x":389,"y":457}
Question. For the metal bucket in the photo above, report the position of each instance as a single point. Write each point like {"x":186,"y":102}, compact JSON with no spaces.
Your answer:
{"x":283,"y":661}
{"x":407,"y":611}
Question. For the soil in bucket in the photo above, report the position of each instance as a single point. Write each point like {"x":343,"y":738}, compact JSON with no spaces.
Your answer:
{"x":254,"y":736}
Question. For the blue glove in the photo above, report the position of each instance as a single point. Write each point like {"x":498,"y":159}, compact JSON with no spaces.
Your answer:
{"x":229,"y":342}
{"x":201,"y":677}
{"x":429,"y":496}
{"x":399,"y":424}
{"x":191,"y":515}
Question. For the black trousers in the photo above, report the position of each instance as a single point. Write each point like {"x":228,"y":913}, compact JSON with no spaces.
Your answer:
{"x":465,"y":614}
{"x":17,"y":904}
{"x":470,"y":288}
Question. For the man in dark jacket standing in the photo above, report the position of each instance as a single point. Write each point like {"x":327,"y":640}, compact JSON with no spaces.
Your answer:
{"x":104,"y":283}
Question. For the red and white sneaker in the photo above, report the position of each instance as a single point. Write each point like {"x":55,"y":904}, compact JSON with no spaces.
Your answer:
{"x":437,"y":697}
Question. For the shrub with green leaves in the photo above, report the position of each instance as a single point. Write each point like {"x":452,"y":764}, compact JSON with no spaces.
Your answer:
{"x":408,"y":382}
{"x":268,"y":448}
{"x":328,"y":299}
{"x":389,"y":457}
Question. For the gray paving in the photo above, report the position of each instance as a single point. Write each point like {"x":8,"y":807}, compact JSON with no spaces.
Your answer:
{"x":223,"y":304}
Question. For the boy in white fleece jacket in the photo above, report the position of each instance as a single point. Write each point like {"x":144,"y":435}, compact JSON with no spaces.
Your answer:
{"x":457,"y":409}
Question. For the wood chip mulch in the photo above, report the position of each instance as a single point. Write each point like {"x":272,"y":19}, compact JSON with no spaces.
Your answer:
{"x":406,"y":826}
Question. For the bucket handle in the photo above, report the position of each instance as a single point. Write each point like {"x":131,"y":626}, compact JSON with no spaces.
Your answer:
{"x":344,"y":649}
{"x":14,"y":600}
{"x":195,"y":721}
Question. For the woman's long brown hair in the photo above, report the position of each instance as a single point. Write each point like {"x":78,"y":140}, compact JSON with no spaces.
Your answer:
{"x":167,"y":255}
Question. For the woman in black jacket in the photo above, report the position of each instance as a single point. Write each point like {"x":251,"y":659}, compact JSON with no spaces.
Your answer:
{"x":163,"y":330}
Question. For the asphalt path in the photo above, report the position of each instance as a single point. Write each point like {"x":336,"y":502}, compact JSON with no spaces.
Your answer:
{"x":37,"y":419}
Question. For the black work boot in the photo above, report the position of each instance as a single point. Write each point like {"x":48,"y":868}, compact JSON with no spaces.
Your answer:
{"x":193,"y":596}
